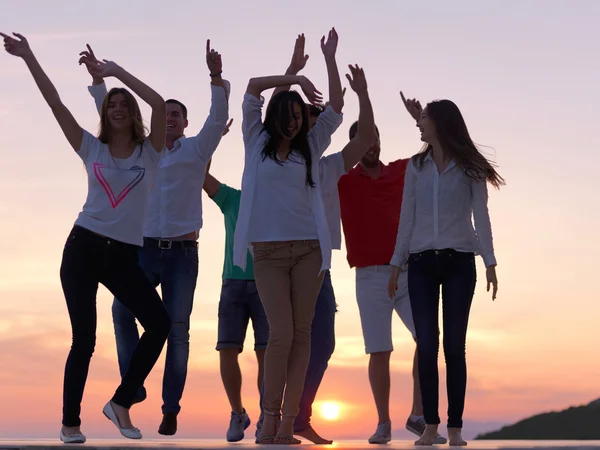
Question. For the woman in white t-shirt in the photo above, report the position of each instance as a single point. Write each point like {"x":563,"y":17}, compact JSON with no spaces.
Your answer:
{"x":282,"y":218}
{"x":102,"y":247}
{"x":445,"y":191}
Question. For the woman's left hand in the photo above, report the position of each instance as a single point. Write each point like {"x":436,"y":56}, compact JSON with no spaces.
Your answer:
{"x":490,"y":274}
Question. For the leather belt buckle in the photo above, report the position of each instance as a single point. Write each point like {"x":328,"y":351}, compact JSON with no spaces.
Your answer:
{"x":165,"y":244}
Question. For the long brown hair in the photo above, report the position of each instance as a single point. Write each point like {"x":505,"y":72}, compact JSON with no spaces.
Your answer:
{"x":454,"y":138}
{"x":138,"y":130}
{"x":277,"y":119}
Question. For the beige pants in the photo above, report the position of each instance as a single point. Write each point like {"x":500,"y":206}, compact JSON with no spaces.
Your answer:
{"x":288,"y":282}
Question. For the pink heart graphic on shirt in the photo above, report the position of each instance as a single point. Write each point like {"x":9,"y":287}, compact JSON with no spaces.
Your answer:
{"x":135,"y":173}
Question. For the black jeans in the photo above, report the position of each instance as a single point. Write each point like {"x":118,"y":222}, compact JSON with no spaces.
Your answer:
{"x":455,"y":272}
{"x":89,"y":259}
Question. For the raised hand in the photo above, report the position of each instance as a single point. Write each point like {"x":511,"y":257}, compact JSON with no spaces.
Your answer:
{"x":327,"y":102}
{"x":357,"y":80}
{"x":16,"y":47}
{"x":88,"y":58}
{"x":299,"y":59}
{"x":413,"y":106}
{"x":225,"y":131}
{"x":213,"y":60}
{"x":329,"y":48}
{"x":314,"y":96}
{"x":102,"y":69}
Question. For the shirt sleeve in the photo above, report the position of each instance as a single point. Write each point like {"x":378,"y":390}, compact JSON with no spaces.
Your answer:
{"x":207,"y":140}
{"x":481,"y":219}
{"x":223,"y":197}
{"x":98,"y":92}
{"x":407,"y":218}
{"x":252,"y":125}
{"x":90,"y":147}
{"x":319,"y":137}
{"x":331,"y":169}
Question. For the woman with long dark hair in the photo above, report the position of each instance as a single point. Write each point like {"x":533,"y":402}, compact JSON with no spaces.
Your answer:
{"x":445,"y":190}
{"x":103,"y":245}
{"x":282,"y":218}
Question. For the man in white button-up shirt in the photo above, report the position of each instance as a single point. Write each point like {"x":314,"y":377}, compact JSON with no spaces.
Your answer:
{"x":172,"y":225}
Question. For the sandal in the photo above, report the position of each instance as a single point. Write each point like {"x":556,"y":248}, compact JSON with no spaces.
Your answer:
{"x":265,"y":440}
{"x":286,"y":440}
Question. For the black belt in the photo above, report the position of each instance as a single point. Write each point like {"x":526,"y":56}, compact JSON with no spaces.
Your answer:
{"x":166,"y":244}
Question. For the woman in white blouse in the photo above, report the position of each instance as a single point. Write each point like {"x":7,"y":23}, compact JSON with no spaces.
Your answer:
{"x":445,"y":187}
{"x":282,"y":218}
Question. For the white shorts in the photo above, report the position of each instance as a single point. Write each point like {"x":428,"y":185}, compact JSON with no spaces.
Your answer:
{"x":376,"y":308}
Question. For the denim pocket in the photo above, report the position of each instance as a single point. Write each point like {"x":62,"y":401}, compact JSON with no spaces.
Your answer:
{"x":191,"y":254}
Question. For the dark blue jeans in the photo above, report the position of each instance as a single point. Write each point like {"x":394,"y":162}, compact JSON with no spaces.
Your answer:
{"x":321,"y":349}
{"x":176,"y":270}
{"x":455,"y":273}
{"x":89,"y":259}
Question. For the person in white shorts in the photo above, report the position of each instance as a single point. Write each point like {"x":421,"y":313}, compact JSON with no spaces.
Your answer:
{"x":370,"y":201}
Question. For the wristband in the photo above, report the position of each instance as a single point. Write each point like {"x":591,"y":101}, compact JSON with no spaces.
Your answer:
{"x":213,"y":75}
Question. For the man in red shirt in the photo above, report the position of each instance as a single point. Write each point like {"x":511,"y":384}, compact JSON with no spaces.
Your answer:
{"x":370,"y":201}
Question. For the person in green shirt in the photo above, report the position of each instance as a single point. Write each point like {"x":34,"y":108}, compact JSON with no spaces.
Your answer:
{"x":239,"y":304}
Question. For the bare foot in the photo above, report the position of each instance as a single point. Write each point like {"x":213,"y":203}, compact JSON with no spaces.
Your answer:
{"x":455,"y":437}
{"x":71,"y":431}
{"x":122,"y":415}
{"x":429,"y":435}
{"x":310,"y":434}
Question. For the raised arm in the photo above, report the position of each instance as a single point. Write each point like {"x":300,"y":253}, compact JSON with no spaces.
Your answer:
{"x":256,"y":86}
{"x":98,"y":88}
{"x":365,"y":134}
{"x":71,"y":129}
{"x":207,"y":140}
{"x":211,"y":184}
{"x":329,"y":47}
{"x":158,"y":122}
{"x":252,"y":125}
{"x":297,"y":63}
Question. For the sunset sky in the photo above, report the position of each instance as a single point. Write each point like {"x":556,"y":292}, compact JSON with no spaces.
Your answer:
{"x":525,"y":76}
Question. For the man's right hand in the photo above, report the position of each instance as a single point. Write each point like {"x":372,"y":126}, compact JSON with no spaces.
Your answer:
{"x":88,"y":55}
{"x":413,"y":106}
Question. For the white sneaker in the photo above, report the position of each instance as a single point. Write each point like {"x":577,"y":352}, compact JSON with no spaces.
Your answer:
{"x":237,"y":425}
{"x":383,"y":434}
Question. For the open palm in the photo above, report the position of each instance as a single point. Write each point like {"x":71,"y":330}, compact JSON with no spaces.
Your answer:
{"x":17,"y":47}
{"x":357,"y":79}
{"x":329,"y":47}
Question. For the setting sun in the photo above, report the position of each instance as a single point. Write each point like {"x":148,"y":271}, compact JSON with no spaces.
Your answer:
{"x":330,"y":410}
